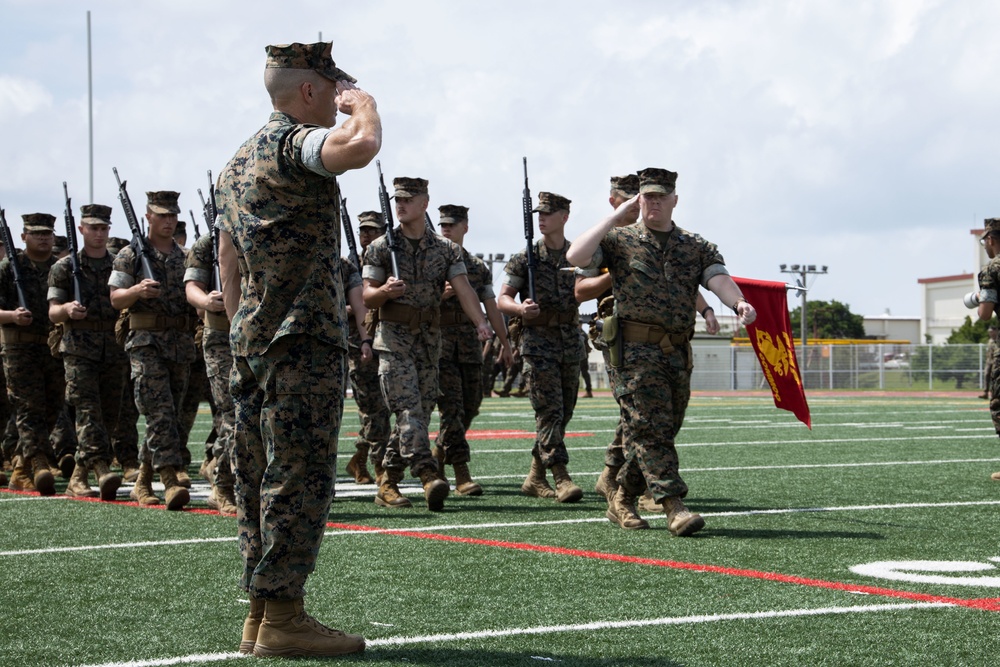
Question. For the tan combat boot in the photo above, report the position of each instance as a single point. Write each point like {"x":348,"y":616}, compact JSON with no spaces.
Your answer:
{"x":535,"y":484}
{"x":566,"y":490}
{"x":379,"y":474}
{"x":142,"y":492}
{"x":287,"y":630}
{"x":107,"y":481}
{"x":621,"y":510}
{"x":44,"y":480}
{"x":67,"y":464}
{"x":223,"y":500}
{"x":681,"y":521}
{"x":438,"y":454}
{"x":183,"y":479}
{"x":356,"y":467}
{"x":207,"y":470}
{"x":995,"y":477}
{"x":388,"y":494}
{"x":251,"y":625}
{"x":20,"y":477}
{"x":175,"y":496}
{"x":647,"y":504}
{"x":130,"y":471}
{"x":435,"y":490}
{"x":464,"y":486}
{"x":78,"y":486}
{"x":606,"y":484}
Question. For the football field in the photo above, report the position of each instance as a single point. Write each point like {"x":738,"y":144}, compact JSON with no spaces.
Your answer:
{"x":869,"y":540}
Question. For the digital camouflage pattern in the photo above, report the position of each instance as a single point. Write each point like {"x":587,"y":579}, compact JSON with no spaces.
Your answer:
{"x":317,"y":57}
{"x":460,"y":366}
{"x":160,"y":359}
{"x":552,"y":387}
{"x":35,"y":279}
{"x":95,"y":364}
{"x":38,"y":222}
{"x":408,"y":356}
{"x":280,"y":224}
{"x":93,"y":340}
{"x":175,"y":344}
{"x":658,"y":284}
{"x":289,"y":339}
{"x":164,"y":202}
{"x":125,"y":437}
{"x":549,"y":202}
{"x":551,"y":354}
{"x":35,"y":379}
{"x":554,"y":293}
{"x":218,"y":363}
{"x":989,"y":292}
{"x":373,"y":414}
{"x":655,"y":283}
{"x":289,"y":403}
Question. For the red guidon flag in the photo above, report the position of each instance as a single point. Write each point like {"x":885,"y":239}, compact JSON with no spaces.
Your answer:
{"x":771,"y":337}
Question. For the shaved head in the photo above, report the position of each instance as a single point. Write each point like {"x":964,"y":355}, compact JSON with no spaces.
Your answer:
{"x":282,"y":83}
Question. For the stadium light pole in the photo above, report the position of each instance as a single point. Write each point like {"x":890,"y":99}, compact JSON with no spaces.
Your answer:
{"x":803,"y":270}
{"x":491,"y":258}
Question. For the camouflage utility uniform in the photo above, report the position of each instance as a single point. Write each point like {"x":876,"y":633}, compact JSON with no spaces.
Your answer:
{"x":408,"y":339}
{"x":373,"y":414}
{"x":550,"y":346}
{"x":989,"y":292}
{"x":218,"y":361}
{"x":35,"y":379}
{"x":289,"y":344}
{"x":655,"y":284}
{"x":460,"y":366}
{"x":95,"y":364}
{"x":160,"y":347}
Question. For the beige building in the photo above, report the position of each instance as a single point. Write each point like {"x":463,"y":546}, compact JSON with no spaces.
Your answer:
{"x":942,"y":310}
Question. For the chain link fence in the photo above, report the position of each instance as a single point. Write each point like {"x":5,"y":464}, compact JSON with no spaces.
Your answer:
{"x":875,"y":366}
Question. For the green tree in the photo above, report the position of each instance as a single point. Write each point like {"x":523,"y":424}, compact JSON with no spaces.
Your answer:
{"x":828,"y":319}
{"x":970,"y":332}
{"x":958,"y":359}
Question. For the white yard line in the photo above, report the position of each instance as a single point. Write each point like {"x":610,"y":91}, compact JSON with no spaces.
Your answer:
{"x":867,"y":464}
{"x":657,"y":517}
{"x":757,"y":443}
{"x":555,"y":629}
{"x":123,"y":545}
{"x":511,"y":524}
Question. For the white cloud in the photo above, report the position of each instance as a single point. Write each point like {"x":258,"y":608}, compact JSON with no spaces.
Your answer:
{"x":817,"y":132}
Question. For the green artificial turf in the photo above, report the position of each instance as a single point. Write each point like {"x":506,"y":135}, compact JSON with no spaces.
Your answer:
{"x":877,"y":479}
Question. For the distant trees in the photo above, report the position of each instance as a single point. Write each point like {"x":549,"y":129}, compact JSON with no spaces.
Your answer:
{"x":828,"y":319}
{"x":956,"y":360}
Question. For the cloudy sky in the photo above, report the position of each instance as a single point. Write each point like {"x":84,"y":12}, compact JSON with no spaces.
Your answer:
{"x":857,"y":135}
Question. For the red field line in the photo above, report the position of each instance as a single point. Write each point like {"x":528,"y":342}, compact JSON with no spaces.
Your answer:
{"x":500,"y":434}
{"x":985,"y":604}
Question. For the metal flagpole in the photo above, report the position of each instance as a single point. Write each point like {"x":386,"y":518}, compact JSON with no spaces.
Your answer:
{"x":90,"y":109}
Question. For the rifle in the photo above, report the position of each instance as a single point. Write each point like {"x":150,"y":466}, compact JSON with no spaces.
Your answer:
{"x":429,"y":224}
{"x":390,"y":236}
{"x":197,"y":232}
{"x":210,"y":211}
{"x":74,"y":249}
{"x":529,"y":233}
{"x":352,"y":245}
{"x":12,"y":257}
{"x":144,"y":251}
